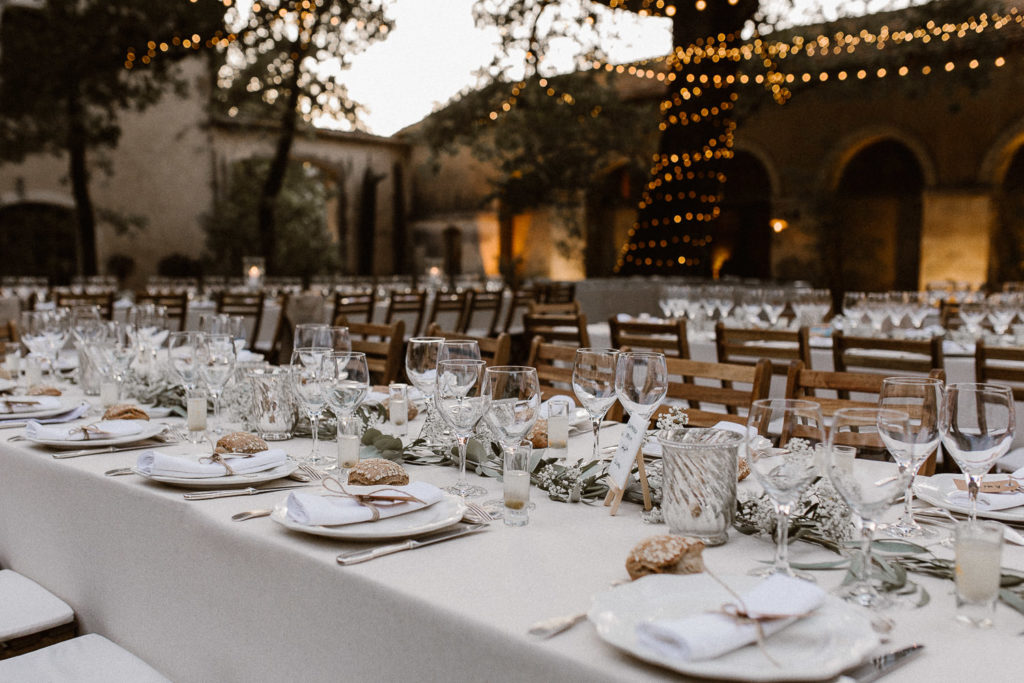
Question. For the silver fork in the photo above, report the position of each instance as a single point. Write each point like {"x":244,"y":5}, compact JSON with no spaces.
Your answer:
{"x":313,"y":473}
{"x":478,"y":513}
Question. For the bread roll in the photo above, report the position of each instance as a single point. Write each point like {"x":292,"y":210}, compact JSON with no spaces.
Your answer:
{"x":377,"y":471}
{"x":538,"y":436}
{"x":43,"y":390}
{"x":240,"y":442}
{"x":125,"y":412}
{"x":665,"y":554}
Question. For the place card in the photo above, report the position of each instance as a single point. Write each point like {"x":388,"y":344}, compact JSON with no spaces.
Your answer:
{"x":998,"y":486}
{"x":631,"y":439}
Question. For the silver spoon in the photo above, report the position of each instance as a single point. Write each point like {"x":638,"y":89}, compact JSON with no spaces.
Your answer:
{"x":250,"y":514}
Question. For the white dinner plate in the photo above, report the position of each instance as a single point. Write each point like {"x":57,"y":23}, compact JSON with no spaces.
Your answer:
{"x":228,"y":481}
{"x":936,"y":489}
{"x":63,"y":406}
{"x":149,"y":430}
{"x":441,"y":514}
{"x":835,"y":637}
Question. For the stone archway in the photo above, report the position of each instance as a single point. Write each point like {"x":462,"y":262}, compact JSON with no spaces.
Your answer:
{"x":38,"y":238}
{"x":877,"y":216}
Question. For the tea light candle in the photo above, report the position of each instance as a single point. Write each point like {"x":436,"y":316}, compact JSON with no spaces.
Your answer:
{"x":558,"y":428}
{"x":33,"y":372}
{"x":348,"y":450}
{"x":196,"y":414}
{"x":109,"y":393}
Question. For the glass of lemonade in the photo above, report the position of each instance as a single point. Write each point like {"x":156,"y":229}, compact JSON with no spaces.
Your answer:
{"x":979,"y":546}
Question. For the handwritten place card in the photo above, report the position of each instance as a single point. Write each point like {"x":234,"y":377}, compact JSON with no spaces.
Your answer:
{"x":998,"y":486}
{"x":629,"y":443}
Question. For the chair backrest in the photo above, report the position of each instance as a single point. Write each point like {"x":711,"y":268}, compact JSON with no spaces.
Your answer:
{"x":103,"y":300}
{"x":554,"y":367}
{"x":382,"y":344}
{"x":248,"y":305}
{"x":355,"y":306}
{"x":570,"y":329}
{"x":904,"y":355}
{"x":483,"y":302}
{"x":745,"y":346}
{"x":296,"y":309}
{"x":707,"y":388}
{"x":494,"y":350}
{"x":558,"y":292}
{"x":554,"y":308}
{"x":452,"y":306}
{"x":409,"y":306}
{"x":175,"y":303}
{"x":518,"y":305}
{"x":1003,"y":364}
{"x":665,"y":336}
{"x":9,"y":332}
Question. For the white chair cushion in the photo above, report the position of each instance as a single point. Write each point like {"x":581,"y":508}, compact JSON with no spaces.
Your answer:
{"x":28,"y":607}
{"x":86,"y":659}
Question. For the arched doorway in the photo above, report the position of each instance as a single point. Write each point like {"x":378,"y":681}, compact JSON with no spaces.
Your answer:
{"x":743,"y":246}
{"x":877,"y":218}
{"x":38,"y":239}
{"x":1007,"y":252}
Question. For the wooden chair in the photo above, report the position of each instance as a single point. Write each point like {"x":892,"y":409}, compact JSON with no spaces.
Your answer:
{"x":804,"y":383}
{"x":9,"y":332}
{"x":916,"y":356}
{"x":453,"y":305}
{"x":382,"y":344}
{"x":1003,"y":364}
{"x":554,"y":367}
{"x":296,"y":309}
{"x":518,"y":305}
{"x":176,"y":304}
{"x":484,"y":302}
{"x":667,"y":336}
{"x":558,"y":292}
{"x":38,"y":618}
{"x":494,"y":350}
{"x":701,"y":383}
{"x":554,"y":308}
{"x":745,"y":346}
{"x":103,"y":301}
{"x":410,"y":306}
{"x":355,"y":305}
{"x":249,"y":305}
{"x":570,"y":329}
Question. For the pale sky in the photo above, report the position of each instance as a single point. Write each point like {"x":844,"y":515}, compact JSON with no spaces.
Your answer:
{"x":433,"y":53}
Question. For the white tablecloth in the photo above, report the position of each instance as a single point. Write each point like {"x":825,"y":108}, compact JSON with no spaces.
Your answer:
{"x":203,"y":598}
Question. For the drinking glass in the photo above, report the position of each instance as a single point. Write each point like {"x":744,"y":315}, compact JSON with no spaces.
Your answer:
{"x":921,"y":399}
{"x":641,"y":382}
{"x":215,"y":356}
{"x":462,"y":400}
{"x":593,"y":382}
{"x":239,"y":330}
{"x":977,"y":427}
{"x":459,"y":349}
{"x":339,"y":338}
{"x":782,"y":437}
{"x":310,"y":388}
{"x":87,"y":328}
{"x":45,"y":333}
{"x":346,"y":381}
{"x":421,"y":367}
{"x":866,"y":488}
{"x":515,"y":400}
{"x":311,"y":334}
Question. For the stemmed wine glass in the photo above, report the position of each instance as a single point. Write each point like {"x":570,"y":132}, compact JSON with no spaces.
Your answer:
{"x":641,"y":382}
{"x":868,"y":491}
{"x":87,"y":328}
{"x":593,"y":382}
{"x":215,"y":356}
{"x":45,"y":333}
{"x":421,"y":356}
{"x":462,"y":400}
{"x":977,"y":427}
{"x":347,"y":381}
{"x":782,"y":437}
{"x":921,"y":399}
{"x":181,"y":358}
{"x":338,"y":338}
{"x":515,"y":398}
{"x":311,"y":388}
{"x":459,"y":349}
{"x":307,"y":335}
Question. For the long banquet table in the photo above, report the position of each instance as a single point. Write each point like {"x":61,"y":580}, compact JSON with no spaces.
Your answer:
{"x":201,"y":597}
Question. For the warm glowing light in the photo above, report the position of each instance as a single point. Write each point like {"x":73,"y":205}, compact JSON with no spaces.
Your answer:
{"x":779,"y":224}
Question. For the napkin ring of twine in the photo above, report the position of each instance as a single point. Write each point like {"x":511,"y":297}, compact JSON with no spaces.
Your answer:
{"x":216,"y":457}
{"x":88,"y":431}
{"x":385,"y":497}
{"x":738,"y":610}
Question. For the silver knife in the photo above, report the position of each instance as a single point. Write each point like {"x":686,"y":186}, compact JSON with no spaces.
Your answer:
{"x":111,"y":449}
{"x":357,"y":556}
{"x":227,"y":493}
{"x":876,"y":667}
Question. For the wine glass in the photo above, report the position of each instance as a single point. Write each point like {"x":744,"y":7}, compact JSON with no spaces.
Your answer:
{"x":593,"y":382}
{"x":459,"y":349}
{"x":347,"y":381}
{"x":215,"y":356}
{"x":462,"y":400}
{"x":311,"y":334}
{"x":641,"y":382}
{"x":515,"y":399}
{"x":921,"y":399}
{"x":45,"y":333}
{"x":239,"y":330}
{"x":310,"y":387}
{"x":421,"y":367}
{"x":339,"y":338}
{"x":977,"y":426}
{"x":865,"y":487}
{"x":87,"y":328}
{"x":782,"y":437}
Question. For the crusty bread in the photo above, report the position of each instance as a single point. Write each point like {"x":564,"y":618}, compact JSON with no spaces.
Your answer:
{"x":125,"y":412}
{"x":377,"y":471}
{"x":665,"y":554}
{"x":43,"y":390}
{"x":538,"y":436}
{"x":240,"y":442}
{"x":744,"y":470}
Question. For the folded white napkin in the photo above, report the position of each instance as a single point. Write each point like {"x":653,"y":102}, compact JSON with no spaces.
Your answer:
{"x":32,"y":404}
{"x":712,"y":634}
{"x":156,"y":463}
{"x":316,"y":510}
{"x":105,"y":429}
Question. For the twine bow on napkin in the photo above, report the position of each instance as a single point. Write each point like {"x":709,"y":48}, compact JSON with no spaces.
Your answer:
{"x":218,"y":458}
{"x":373,"y":500}
{"x":88,"y":432}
